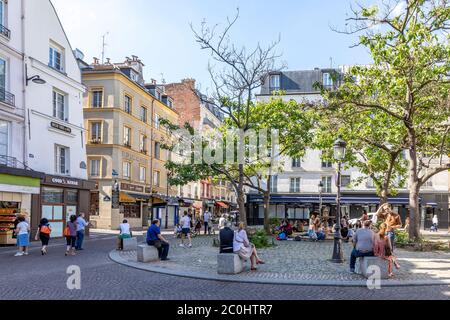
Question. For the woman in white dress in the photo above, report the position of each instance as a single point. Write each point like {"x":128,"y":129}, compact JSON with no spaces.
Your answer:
{"x":245,"y":249}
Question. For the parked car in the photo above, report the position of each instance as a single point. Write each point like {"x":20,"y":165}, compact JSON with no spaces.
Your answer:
{"x":372,"y":216}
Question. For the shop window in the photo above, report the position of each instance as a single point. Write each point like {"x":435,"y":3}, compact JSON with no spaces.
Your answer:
{"x":72,"y":196}
{"x":95,"y":204}
{"x":131,"y":211}
{"x":52,"y":195}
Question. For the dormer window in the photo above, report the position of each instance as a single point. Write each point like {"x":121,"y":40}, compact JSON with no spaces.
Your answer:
{"x":327,"y":80}
{"x":274,"y":82}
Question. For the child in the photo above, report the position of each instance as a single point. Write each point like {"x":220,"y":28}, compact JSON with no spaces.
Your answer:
{"x":383,"y":248}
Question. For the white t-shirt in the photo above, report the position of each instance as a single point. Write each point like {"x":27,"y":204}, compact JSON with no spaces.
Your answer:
{"x":23,"y":228}
{"x":124,"y":228}
{"x":186,"y":222}
{"x":435,"y":219}
{"x":222,"y":222}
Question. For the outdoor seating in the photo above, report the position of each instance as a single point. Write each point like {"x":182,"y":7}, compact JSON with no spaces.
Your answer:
{"x":229,"y":263}
{"x":364,"y":267}
{"x":129,"y":244}
{"x":146,"y":253}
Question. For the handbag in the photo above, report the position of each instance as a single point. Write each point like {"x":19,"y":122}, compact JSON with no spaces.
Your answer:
{"x":67,"y":232}
{"x":157,"y":244}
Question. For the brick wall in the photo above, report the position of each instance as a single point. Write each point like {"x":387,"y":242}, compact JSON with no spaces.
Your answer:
{"x":186,"y":102}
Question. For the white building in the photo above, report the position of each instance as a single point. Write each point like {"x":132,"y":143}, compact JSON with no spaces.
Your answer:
{"x":296,"y":189}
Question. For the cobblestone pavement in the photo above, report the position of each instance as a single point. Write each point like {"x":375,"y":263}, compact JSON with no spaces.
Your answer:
{"x":44,"y":277}
{"x":302,"y":262}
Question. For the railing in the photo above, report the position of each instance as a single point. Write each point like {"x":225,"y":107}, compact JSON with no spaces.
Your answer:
{"x":144,"y":151}
{"x":127,"y":145}
{"x":5,"y":31}
{"x":7,"y":97}
{"x":96,"y":141}
{"x":12,"y":162}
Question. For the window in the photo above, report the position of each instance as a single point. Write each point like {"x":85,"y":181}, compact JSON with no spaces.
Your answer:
{"x":157,"y":150}
{"x":126,"y":170}
{"x":95,"y":168}
{"x":327,"y":80}
{"x":142,"y":174}
{"x":157,"y":121}
{"x":127,"y":137}
{"x":62,"y":160}
{"x":327,"y":164}
{"x":59,"y":106}
{"x":56,"y":58}
{"x":295,"y":185}
{"x":326,"y":181}
{"x":143,"y":114}
{"x":296,"y":162}
{"x":274,"y":184}
{"x":3,"y":68}
{"x":143,"y":144}
{"x":4,"y":141}
{"x":156,"y":178}
{"x":370,"y":183}
{"x":274,"y":82}
{"x":96,"y":132}
{"x":2,"y":13}
{"x":97,"y":99}
{"x":345,"y":181}
{"x":128,"y":104}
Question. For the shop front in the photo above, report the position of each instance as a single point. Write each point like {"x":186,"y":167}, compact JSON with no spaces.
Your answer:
{"x":60,"y":198}
{"x":16,"y":189}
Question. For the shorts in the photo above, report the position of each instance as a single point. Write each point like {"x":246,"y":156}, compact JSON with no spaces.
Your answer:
{"x":23,"y":240}
{"x":71,"y":241}
{"x":186,"y":231}
{"x":45,"y":238}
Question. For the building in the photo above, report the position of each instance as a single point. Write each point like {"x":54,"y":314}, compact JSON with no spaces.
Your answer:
{"x":55,"y":133}
{"x":124,"y":144}
{"x":194,"y":108}
{"x":295,"y":190}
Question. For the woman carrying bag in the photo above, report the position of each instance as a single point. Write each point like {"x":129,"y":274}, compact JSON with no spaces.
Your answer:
{"x":70,"y":232}
{"x":43,"y":234}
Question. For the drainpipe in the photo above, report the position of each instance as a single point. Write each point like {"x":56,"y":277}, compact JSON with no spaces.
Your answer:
{"x":151,"y":156}
{"x":24,"y":100}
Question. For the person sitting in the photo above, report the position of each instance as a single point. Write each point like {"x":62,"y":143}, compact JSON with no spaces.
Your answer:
{"x":298,"y":227}
{"x":382,"y":248}
{"x":320,"y":230}
{"x":350,"y":233}
{"x":288,"y":228}
{"x":226,"y":236}
{"x":245,"y":249}
{"x":154,"y":238}
{"x":362,"y":243}
{"x":124,"y":233}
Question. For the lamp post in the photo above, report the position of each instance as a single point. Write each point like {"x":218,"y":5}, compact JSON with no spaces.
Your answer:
{"x":339,"y":155}
{"x":320,"y":186}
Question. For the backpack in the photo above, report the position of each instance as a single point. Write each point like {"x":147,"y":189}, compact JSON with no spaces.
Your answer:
{"x":282,"y":236}
{"x":45,"y":229}
{"x":298,"y":238}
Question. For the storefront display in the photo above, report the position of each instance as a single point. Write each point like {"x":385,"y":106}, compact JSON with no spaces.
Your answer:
{"x":8,"y":211}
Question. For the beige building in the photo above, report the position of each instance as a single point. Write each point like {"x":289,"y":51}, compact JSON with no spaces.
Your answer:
{"x":124,"y":145}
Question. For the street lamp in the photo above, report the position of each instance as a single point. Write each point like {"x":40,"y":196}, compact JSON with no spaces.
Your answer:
{"x":339,"y":155}
{"x":320,"y":186}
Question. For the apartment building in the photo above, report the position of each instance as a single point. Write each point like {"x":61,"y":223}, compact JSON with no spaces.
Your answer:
{"x":308,"y":183}
{"x":124,"y":144}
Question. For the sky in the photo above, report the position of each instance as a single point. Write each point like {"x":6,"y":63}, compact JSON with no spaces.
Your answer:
{"x":159,"y":32}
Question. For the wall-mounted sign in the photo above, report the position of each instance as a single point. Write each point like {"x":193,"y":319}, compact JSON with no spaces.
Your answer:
{"x":115,"y":173}
{"x":107,"y":198}
{"x":60,"y":127}
{"x":131,"y":187}
{"x":62,"y":181}
{"x":83,"y":165}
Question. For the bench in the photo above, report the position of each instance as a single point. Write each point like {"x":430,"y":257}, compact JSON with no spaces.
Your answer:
{"x":129,"y":244}
{"x":146,"y":253}
{"x":365,"y":267}
{"x":229,"y":263}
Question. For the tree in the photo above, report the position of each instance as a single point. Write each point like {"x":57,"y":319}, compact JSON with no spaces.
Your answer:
{"x":408,"y":83}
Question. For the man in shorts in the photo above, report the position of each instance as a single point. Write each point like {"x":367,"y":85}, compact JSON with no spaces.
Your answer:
{"x":185,"y":229}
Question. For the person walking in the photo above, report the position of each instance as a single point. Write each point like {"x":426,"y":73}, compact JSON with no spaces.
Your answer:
{"x":71,"y":235}
{"x":206,"y":220}
{"x":222,"y":222}
{"x":245,"y":249}
{"x":23,"y":236}
{"x":186,"y":229}
{"x":154,"y":238}
{"x":81,"y":227}
{"x":393,"y":222}
{"x":43,"y":234}
{"x":362,"y":244}
{"x":435,"y":223}
{"x":124,"y":233}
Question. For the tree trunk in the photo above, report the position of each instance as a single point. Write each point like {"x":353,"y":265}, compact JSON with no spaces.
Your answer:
{"x":383,"y":196}
{"x":241,"y":196}
{"x":267,"y":211}
{"x":414,"y":188}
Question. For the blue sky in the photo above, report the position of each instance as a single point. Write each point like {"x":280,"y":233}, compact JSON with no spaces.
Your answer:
{"x":159,"y":32}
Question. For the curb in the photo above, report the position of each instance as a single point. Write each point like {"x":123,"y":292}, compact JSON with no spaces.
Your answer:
{"x":115,"y":257}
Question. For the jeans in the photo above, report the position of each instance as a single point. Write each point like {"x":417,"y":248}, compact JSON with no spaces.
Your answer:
{"x":358,"y":254}
{"x":321,"y":236}
{"x":391,"y":235}
{"x":206,"y":227}
{"x":80,"y":238}
{"x":163,"y":252}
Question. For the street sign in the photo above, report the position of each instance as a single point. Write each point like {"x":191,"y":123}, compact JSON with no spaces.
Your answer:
{"x":114,"y":173}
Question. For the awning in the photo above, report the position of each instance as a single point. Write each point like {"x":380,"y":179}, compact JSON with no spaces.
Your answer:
{"x":126,"y":198}
{"x":223,"y":205}
{"x":140,"y":197}
{"x":327,"y":199}
{"x":431,"y":205}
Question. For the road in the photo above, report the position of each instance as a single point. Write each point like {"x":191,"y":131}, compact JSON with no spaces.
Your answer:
{"x":45,"y":277}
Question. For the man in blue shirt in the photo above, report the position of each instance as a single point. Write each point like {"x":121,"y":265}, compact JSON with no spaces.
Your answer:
{"x":81,"y":227}
{"x":154,"y":238}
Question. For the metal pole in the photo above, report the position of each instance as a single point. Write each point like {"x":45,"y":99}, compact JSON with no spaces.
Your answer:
{"x":167,"y":205}
{"x":337,"y":248}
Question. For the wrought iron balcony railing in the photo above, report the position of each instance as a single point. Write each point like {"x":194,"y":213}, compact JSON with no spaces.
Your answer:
{"x":96,"y":141}
{"x":5,"y":31}
{"x":12,"y":162}
{"x":7,"y":97}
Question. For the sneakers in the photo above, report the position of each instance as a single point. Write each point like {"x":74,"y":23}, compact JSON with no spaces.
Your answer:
{"x":189,"y":245}
{"x":352,"y":271}
{"x":181,"y":245}
{"x":25,"y":253}
{"x":18,"y":254}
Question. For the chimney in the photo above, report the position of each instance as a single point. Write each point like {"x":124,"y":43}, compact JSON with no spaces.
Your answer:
{"x":96,"y":61}
{"x":108,"y":60}
{"x":135,"y":58}
{"x":189,"y":82}
{"x":153,"y":81}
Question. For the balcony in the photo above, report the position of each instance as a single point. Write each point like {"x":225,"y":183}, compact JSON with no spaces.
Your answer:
{"x":4,"y":31}
{"x":127,"y":145}
{"x":7,"y":97}
{"x":11,"y":162}
{"x":143,"y":151}
{"x":96,"y":141}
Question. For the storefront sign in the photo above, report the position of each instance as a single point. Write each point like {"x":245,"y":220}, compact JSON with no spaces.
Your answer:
{"x":131,"y":187}
{"x":65,"y":181}
{"x":68,"y":182}
{"x":60,"y":127}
